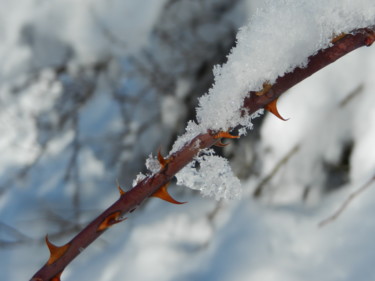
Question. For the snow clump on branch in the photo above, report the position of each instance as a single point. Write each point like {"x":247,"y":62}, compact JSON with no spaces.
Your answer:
{"x":278,"y":38}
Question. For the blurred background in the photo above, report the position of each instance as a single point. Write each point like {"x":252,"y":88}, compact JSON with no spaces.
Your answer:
{"x":90,"y":88}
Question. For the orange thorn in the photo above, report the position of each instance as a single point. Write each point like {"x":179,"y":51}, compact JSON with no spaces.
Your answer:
{"x":266,"y":87}
{"x":225,"y":135}
{"x":370,"y":38}
{"x":338,"y":37}
{"x":120,"y":190}
{"x":221,"y":144}
{"x":163,"y":194}
{"x":110,"y":220}
{"x":271,"y":107}
{"x":55,"y":251}
{"x":57,"y":277}
{"x":163,"y":162}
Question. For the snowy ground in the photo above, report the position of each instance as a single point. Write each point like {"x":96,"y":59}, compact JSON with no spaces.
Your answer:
{"x":78,"y":111}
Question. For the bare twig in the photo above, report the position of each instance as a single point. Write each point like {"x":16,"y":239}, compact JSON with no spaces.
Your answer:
{"x":17,"y":235}
{"x":213,"y":213}
{"x":106,"y":31}
{"x":260,"y":187}
{"x":358,"y":90}
{"x":345,"y":204}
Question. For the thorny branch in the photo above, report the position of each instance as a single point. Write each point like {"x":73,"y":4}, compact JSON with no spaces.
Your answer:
{"x":62,"y":256}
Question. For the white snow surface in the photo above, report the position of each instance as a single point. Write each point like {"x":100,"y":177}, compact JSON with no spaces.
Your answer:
{"x":152,"y":164}
{"x":276,"y":238}
{"x":94,"y":28}
{"x":279,"y":37}
{"x":214,"y":177}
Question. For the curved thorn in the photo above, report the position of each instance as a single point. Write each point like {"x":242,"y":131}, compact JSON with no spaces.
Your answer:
{"x":110,"y":220}
{"x":163,"y":162}
{"x":163,"y":194}
{"x":272,"y":107}
{"x":220,"y":144}
{"x":266,"y":87}
{"x":120,"y":190}
{"x":370,"y":37}
{"x":57,"y":277}
{"x":338,"y":37}
{"x":225,"y":135}
{"x":55,"y":251}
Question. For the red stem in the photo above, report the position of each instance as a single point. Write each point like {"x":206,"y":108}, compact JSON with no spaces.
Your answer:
{"x":144,"y":189}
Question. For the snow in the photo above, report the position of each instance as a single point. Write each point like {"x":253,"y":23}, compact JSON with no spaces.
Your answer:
{"x":152,"y":164}
{"x":138,"y":178}
{"x":314,"y":110}
{"x":61,"y":151}
{"x":47,"y":32}
{"x":278,"y":38}
{"x":214,"y":177}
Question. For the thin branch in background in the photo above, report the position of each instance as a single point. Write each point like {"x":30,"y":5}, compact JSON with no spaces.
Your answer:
{"x":352,"y":95}
{"x":345,"y":204}
{"x":17,"y":235}
{"x":73,"y":171}
{"x":260,"y":187}
{"x":212,"y":214}
{"x":106,"y":31}
{"x":22,"y":239}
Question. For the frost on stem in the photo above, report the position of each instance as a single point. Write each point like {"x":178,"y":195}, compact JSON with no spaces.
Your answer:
{"x":153,"y":164}
{"x":212,"y":175}
{"x":138,"y":179}
{"x":279,"y":38}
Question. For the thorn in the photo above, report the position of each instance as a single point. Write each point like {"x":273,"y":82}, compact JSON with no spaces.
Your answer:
{"x":271,"y":107}
{"x":338,"y":37}
{"x":163,"y":162}
{"x":220,"y":144}
{"x":225,"y":135}
{"x":121,"y":191}
{"x":266,"y":87}
{"x":370,"y":39}
{"x":55,"y":251}
{"x":57,"y":277}
{"x":163,"y":194}
{"x":110,"y":220}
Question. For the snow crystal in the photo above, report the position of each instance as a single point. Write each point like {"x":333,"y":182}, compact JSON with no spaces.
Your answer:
{"x":138,"y":179}
{"x":152,"y":164}
{"x":214,"y":177}
{"x":279,"y":37}
{"x":192,"y":130}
